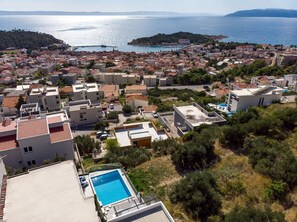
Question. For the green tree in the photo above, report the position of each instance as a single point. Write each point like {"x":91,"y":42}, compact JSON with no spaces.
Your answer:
{"x":127,"y":109}
{"x":102,"y":125}
{"x":199,"y":195}
{"x":20,"y":102}
{"x":86,"y":144}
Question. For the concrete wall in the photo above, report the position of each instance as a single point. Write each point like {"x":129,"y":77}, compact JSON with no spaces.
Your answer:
{"x":12,"y":158}
{"x":90,"y":116}
{"x":137,"y":103}
{"x":52,"y":103}
{"x":245,"y":102}
{"x":43,"y":150}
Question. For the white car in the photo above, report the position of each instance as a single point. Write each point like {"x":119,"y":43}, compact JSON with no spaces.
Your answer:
{"x":111,"y":106}
{"x":154,"y":114}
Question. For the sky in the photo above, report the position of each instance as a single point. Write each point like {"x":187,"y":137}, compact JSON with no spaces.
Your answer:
{"x":186,"y":6}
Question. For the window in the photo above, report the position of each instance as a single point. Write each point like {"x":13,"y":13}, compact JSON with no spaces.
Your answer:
{"x":57,"y":97}
{"x":58,"y":102}
{"x":32,"y":162}
{"x":81,"y":115}
{"x":28,"y":149}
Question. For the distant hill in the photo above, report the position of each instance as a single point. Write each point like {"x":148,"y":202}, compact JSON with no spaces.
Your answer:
{"x":174,"y":39}
{"x":96,"y":13}
{"x":286,"y":13}
{"x":25,"y":39}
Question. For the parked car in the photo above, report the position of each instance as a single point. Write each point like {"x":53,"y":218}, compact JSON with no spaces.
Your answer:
{"x":104,"y":136}
{"x":154,"y":114}
{"x":100,"y":133}
{"x":111,"y":106}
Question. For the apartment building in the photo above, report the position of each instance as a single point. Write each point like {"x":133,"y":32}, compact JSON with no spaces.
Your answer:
{"x":261,"y":96}
{"x":116,"y":78}
{"x":68,"y":79}
{"x":136,"y":89}
{"x":82,"y":112}
{"x":28,"y":142}
{"x":150,"y":80}
{"x":48,"y":98}
{"x":86,"y":91}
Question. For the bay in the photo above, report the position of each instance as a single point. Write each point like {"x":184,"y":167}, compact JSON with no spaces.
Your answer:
{"x":119,"y":30}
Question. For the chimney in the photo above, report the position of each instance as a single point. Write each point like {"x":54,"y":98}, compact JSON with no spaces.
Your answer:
{"x":6,"y":122}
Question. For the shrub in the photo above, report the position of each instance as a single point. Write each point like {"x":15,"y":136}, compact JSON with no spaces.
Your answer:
{"x":252,"y":214}
{"x":86,"y":144}
{"x":198,"y":193}
{"x":127,"y":109}
{"x":276,"y":190}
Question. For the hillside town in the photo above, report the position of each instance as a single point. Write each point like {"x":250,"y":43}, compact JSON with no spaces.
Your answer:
{"x":71,"y":114}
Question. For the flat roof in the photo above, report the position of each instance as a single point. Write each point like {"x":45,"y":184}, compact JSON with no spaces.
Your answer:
{"x":138,"y":134}
{"x":156,"y":214}
{"x":52,"y":193}
{"x":251,"y":91}
{"x":122,"y":135}
{"x":196,"y":117}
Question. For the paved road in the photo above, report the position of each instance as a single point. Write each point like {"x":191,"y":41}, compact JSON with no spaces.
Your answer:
{"x":196,"y":87}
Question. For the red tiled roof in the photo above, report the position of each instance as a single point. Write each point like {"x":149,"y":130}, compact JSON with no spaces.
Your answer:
{"x":11,"y":102}
{"x":136,"y":97}
{"x":150,"y":108}
{"x":32,"y":128}
{"x":136,"y":87}
{"x":61,"y":133}
{"x":54,"y":119}
{"x":8,"y":142}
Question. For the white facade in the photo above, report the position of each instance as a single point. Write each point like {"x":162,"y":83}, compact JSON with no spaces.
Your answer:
{"x":150,"y":81}
{"x":48,"y":98}
{"x":262,"y":96}
{"x":86,"y":91}
{"x":27,"y":143}
{"x":291,"y":81}
{"x":83,"y":112}
{"x":116,"y":78}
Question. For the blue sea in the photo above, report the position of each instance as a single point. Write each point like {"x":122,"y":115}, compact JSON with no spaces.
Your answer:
{"x":119,"y":30}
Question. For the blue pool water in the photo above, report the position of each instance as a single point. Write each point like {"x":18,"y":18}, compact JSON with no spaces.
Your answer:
{"x":223,"y":105}
{"x":110,"y":188}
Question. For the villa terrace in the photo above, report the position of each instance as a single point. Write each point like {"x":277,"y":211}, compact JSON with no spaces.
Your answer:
{"x":139,"y":134}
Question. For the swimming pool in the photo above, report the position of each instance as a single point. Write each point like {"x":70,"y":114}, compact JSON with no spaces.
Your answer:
{"x":110,"y":187}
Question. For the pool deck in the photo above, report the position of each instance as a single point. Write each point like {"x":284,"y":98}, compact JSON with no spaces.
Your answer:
{"x":110,"y":209}
{"x":51,"y":193}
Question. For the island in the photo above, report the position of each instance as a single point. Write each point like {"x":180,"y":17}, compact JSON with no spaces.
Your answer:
{"x":19,"y":39}
{"x":176,"y":39}
{"x":286,"y":13}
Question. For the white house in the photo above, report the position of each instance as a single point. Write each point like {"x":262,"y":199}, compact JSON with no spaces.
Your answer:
{"x":48,"y":98}
{"x":28,"y":142}
{"x":244,"y":98}
{"x":86,"y":91}
{"x":82,"y":112}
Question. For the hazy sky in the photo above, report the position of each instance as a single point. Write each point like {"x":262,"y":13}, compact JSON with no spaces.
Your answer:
{"x":197,"y":6}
